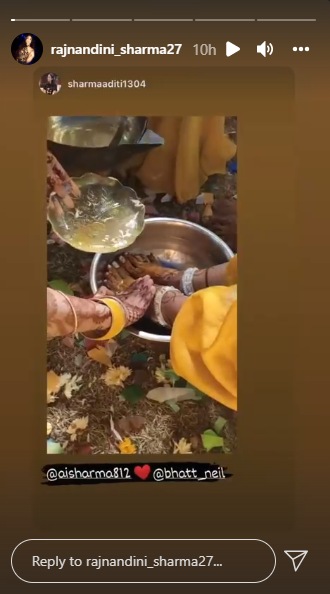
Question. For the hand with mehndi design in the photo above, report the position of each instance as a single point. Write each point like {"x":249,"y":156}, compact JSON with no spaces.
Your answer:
{"x":120,"y":280}
{"x":135,"y":297}
{"x":94,"y":317}
{"x":60,"y":183}
{"x":167,"y":304}
{"x":60,"y":187}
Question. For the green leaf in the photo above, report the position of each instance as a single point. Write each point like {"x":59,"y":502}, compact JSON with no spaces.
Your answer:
{"x":219,"y":425}
{"x":200,"y":395}
{"x":169,"y":374}
{"x":133,"y":393}
{"x":123,"y":335}
{"x":53,"y":447}
{"x":61,"y":285}
{"x":180,"y":383}
{"x":211,"y":440}
{"x":173,"y":405}
{"x":140,"y":357}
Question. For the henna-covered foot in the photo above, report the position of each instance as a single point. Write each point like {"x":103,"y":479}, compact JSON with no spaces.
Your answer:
{"x":117,"y":279}
{"x":136,"y":299}
{"x":135,"y":295}
{"x":127,"y":279}
{"x":141,"y":265}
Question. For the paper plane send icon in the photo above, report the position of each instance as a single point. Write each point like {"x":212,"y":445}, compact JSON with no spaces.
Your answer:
{"x":231,"y":49}
{"x":296,"y":557}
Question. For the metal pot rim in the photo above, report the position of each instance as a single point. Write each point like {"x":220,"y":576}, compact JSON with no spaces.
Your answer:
{"x":114,"y":143}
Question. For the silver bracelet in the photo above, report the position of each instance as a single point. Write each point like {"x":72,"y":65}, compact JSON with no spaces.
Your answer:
{"x":186,"y":281}
{"x":159,"y":318}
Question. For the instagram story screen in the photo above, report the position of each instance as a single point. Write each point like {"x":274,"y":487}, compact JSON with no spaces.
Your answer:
{"x":165,"y":295}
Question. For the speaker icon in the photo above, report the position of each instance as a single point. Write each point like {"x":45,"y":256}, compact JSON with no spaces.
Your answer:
{"x":265,"y":49}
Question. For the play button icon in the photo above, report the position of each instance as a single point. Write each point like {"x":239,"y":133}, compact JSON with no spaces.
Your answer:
{"x":231,"y":49}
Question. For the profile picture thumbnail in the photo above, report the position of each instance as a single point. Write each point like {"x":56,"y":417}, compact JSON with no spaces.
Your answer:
{"x":27,"y":49}
{"x":50,"y":83}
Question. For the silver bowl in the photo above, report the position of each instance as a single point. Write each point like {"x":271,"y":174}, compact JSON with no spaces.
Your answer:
{"x":178,"y":244}
{"x":93,"y":132}
{"x":98,"y":144}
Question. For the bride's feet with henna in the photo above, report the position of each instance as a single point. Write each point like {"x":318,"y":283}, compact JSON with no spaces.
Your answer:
{"x":117,"y":278}
{"x":141,"y":265}
{"x":136,"y":295}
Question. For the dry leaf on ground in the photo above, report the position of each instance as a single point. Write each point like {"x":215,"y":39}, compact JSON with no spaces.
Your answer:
{"x":49,"y":428}
{"x":182,"y":447}
{"x":78,"y":360}
{"x":111,"y":346}
{"x":103,"y":354}
{"x":53,"y":386}
{"x":165,"y":393}
{"x":71,"y":385}
{"x":55,"y":383}
{"x":132,"y":424}
{"x":68,"y":341}
{"x":208,"y":198}
{"x":79,"y":424}
{"x":114,"y":430}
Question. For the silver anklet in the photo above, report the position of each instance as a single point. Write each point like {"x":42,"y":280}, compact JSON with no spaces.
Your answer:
{"x":186,"y":281}
{"x":159,"y":318}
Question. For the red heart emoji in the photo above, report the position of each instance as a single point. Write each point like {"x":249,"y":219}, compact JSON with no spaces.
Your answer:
{"x":142,"y":471}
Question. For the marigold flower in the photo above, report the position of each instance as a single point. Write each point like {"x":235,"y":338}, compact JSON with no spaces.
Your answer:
{"x":126,"y":446}
{"x":115,"y":376}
